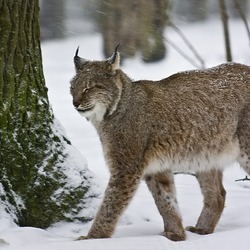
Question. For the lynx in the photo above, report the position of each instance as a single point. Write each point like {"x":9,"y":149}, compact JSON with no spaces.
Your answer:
{"x":191,"y":121}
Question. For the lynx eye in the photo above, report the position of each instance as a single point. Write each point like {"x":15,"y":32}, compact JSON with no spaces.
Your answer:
{"x":85,"y":90}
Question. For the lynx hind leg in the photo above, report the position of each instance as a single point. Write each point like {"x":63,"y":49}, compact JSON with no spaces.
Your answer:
{"x":243,"y":133}
{"x":214,"y":200}
{"x":162,"y":188}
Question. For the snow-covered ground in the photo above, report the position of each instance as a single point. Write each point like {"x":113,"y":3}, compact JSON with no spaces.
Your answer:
{"x":141,"y":224}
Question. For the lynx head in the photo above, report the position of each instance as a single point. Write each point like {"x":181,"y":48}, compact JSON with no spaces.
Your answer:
{"x":95,"y":88}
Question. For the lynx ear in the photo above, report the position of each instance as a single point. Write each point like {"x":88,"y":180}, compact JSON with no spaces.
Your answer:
{"x":114,"y":60}
{"x":78,"y":61}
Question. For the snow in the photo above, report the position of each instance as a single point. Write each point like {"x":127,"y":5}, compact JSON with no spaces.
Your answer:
{"x":141,"y":224}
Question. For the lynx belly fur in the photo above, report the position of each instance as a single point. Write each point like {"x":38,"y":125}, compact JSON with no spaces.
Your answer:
{"x":191,"y":121}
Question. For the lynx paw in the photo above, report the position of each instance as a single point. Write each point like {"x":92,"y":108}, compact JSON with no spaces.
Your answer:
{"x":197,"y":230}
{"x":83,"y":238}
{"x":173,"y":236}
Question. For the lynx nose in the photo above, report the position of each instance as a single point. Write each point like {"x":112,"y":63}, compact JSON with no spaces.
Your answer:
{"x":76,"y":103}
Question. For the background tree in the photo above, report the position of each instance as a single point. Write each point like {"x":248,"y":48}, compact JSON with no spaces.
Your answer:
{"x":192,"y":10}
{"x":238,"y":8}
{"x":52,"y":19}
{"x":137,"y":25}
{"x":40,"y":182}
{"x":224,"y":19}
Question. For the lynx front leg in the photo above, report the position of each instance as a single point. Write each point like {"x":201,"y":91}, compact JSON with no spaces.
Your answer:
{"x":119,"y":192}
{"x":162,"y":188}
{"x":214,"y":200}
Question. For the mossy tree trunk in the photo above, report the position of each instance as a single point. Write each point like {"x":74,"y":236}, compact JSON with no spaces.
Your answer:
{"x":137,"y":25}
{"x":34,"y":155}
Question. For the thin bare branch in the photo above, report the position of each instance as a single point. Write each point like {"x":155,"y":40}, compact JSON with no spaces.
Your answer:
{"x":186,"y":173}
{"x":244,"y":179}
{"x":242,"y":15}
{"x":188,"y":43}
{"x":182,"y":53}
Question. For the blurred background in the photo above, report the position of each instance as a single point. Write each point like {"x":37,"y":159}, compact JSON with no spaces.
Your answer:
{"x":138,"y":25}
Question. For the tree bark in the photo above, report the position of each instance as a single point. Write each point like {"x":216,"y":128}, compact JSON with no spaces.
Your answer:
{"x":34,"y":159}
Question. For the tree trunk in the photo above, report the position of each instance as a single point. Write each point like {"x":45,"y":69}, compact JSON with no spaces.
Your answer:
{"x":52,"y":19}
{"x":224,"y":19}
{"x":192,"y":10}
{"x":137,"y":25}
{"x":36,"y":165}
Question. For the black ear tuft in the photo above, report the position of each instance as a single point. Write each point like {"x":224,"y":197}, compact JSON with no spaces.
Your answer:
{"x":78,"y":61}
{"x":114,"y":60}
{"x":77,"y":50}
{"x":76,"y":57}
